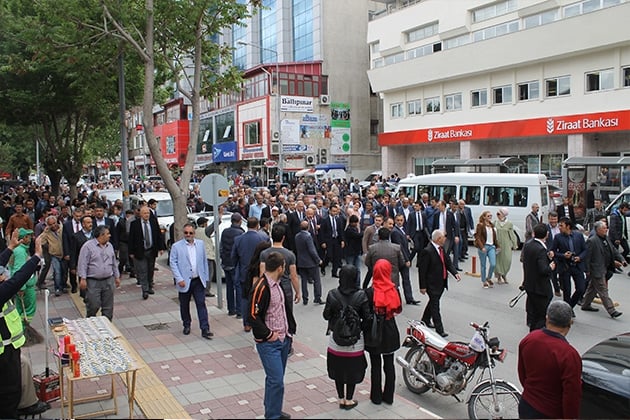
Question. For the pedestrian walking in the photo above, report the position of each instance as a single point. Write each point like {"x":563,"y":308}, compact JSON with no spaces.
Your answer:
{"x":98,"y":273}
{"x":145,"y":243}
{"x":52,"y":242}
{"x":308,"y":262}
{"x":538,"y":266}
{"x":189,"y":265}
{"x":27,"y":296}
{"x":486,"y":244}
{"x":346,"y":364}
{"x":506,"y":244}
{"x":550,"y":369}
{"x":227,"y":263}
{"x":204,"y":232}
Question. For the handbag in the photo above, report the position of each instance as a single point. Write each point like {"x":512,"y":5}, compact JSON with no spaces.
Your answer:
{"x":374,"y":336}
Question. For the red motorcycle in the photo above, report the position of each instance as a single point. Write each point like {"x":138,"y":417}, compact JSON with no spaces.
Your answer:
{"x":433,"y":363}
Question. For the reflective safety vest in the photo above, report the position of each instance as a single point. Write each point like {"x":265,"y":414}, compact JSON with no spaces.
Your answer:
{"x":13,"y":321}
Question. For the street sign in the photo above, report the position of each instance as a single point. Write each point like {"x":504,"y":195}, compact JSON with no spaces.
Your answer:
{"x":271,"y":163}
{"x":214,"y":189}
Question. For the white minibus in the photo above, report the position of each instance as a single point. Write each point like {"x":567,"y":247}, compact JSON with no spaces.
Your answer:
{"x":485,"y":191}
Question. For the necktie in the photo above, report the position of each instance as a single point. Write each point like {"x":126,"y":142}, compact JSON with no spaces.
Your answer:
{"x":147,"y":236}
{"x":334,"y":228}
{"x":76,"y":226}
{"x":418,"y":222}
{"x":571,"y":248}
{"x":443,"y":263}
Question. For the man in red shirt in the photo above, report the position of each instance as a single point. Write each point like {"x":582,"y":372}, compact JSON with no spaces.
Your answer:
{"x":550,"y":369}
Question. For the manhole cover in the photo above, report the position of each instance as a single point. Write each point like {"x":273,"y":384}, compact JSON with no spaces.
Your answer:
{"x":158,"y":326}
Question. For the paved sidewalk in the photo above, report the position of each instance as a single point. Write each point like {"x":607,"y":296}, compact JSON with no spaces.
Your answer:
{"x":218,"y":378}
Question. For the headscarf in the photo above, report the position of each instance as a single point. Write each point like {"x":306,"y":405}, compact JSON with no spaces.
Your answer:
{"x":348,"y":280}
{"x":386,"y":296}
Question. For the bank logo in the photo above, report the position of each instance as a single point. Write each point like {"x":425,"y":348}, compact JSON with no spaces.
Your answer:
{"x":430,"y":135}
{"x":550,"y":125}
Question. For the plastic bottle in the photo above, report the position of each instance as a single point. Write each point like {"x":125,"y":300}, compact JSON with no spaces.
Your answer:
{"x":76,"y":367}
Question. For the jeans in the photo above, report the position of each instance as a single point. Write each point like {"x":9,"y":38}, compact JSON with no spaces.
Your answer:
{"x":55,"y":263}
{"x":273,"y":356}
{"x":491,"y":254}
{"x":230,"y":291}
{"x":198,"y":293}
{"x":580,"y":285}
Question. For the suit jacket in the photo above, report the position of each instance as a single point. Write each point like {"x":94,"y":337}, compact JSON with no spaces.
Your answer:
{"x":400,"y":238}
{"x":562,"y":213}
{"x":389,"y":251}
{"x":325,"y":234}
{"x":136,"y":238}
{"x":387,"y":211}
{"x":452,"y":229}
{"x":536,"y":269}
{"x":307,"y":256}
{"x":242,"y":252}
{"x":78,"y":239}
{"x":561,"y":245}
{"x":181,"y":266}
{"x":470,"y":223}
{"x":597,"y":263}
{"x":431,"y":270}
{"x":113,"y":239}
{"x":412,"y":226}
{"x":67,"y":236}
{"x":293,"y":221}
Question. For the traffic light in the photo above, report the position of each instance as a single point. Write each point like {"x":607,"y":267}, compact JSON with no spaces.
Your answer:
{"x":323,"y":156}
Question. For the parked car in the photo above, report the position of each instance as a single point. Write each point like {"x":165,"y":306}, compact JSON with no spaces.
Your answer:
{"x":606,"y":379}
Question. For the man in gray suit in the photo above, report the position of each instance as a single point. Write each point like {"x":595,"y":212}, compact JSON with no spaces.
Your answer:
{"x":601,"y":259}
{"x":308,"y":263}
{"x":388,"y":251}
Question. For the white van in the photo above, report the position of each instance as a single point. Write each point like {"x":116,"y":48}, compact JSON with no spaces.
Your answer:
{"x":483,"y":191}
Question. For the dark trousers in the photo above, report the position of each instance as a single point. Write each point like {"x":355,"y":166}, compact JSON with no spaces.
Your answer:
{"x":377,"y":392}
{"x":123,"y":257}
{"x":333,"y":254}
{"x":230,"y":291}
{"x":432,"y":311}
{"x":310,"y":273}
{"x":417,"y":245}
{"x":367,"y":278}
{"x":144,"y":270}
{"x":526,"y":411}
{"x":198,"y":292}
{"x":10,"y":382}
{"x":72,"y":277}
{"x":44,"y":271}
{"x":536,"y":307}
{"x":406,"y":283}
{"x":580,"y":285}
{"x":463,"y":235}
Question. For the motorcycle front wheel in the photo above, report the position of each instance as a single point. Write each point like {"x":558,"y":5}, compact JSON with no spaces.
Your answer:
{"x":417,"y":359}
{"x":481,"y":404}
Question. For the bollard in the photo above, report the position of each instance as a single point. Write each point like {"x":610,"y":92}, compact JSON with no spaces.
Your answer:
{"x":474,"y":268}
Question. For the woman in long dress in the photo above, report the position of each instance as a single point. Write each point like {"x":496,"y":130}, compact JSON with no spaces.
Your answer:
{"x":506,"y":242}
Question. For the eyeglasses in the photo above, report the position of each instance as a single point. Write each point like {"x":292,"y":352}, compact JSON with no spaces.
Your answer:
{"x":189,"y":233}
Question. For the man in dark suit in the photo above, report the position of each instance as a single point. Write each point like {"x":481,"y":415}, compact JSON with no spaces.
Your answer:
{"x":308,"y":263}
{"x":537,"y":269}
{"x":71,"y":226}
{"x":466,"y":226}
{"x":433,"y":268}
{"x":145,"y":242}
{"x":294,"y":218}
{"x":400,"y":237}
{"x":566,"y":210}
{"x":417,"y":229}
{"x":386,"y":208}
{"x":386,"y":250}
{"x":99,"y":219}
{"x":569,"y":249}
{"x":331,"y":238}
{"x":445,"y":221}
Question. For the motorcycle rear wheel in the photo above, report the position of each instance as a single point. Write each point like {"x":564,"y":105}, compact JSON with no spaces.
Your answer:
{"x":481,"y":404}
{"x":417,"y":358}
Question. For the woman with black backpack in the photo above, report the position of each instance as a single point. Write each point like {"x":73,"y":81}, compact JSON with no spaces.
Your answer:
{"x":382,"y":338}
{"x":347,"y":307}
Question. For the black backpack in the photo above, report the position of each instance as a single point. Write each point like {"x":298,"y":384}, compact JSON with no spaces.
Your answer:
{"x":347,"y":328}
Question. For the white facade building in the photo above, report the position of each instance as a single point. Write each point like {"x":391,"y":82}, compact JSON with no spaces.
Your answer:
{"x":542,"y":80}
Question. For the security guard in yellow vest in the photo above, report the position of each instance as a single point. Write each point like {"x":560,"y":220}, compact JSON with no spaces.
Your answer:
{"x":11,"y":330}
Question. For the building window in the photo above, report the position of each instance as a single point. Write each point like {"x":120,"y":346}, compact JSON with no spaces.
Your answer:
{"x":432,"y":105}
{"x":540,"y":19}
{"x":396,"y":110}
{"x":494,"y":10}
{"x":374,"y":124}
{"x":422,"y":32}
{"x":414,"y":107}
{"x":502,"y":95}
{"x":529,"y":90}
{"x":268,"y":31}
{"x":375,"y":47}
{"x":302,"y":30}
{"x":479,"y":98}
{"x":453,"y":102}
{"x":394,"y":58}
{"x":625,"y":75}
{"x":558,"y":86}
{"x":252,"y":133}
{"x":599,"y":80}
{"x":419,"y":51}
{"x":457,"y":41}
{"x":170,"y":145}
{"x":494,"y":31}
{"x":587,"y":6}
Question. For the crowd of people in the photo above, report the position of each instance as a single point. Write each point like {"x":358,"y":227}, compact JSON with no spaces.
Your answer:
{"x":293,"y":234}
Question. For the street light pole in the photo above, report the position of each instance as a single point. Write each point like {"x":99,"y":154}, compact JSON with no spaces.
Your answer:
{"x":278,"y":128}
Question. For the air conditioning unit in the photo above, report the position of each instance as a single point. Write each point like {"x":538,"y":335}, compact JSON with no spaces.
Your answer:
{"x":276,"y":135}
{"x":275,"y":148}
{"x":324,"y":100}
{"x":311,"y":160}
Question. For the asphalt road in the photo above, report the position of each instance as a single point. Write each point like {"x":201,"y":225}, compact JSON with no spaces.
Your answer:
{"x":466,"y":301}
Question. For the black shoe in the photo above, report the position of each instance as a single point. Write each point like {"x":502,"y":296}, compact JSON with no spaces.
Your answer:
{"x":335,"y":275}
{"x":616,"y":314}
{"x":186,"y":330}
{"x":305,"y":301}
{"x":231,"y":313}
{"x":459,"y":269}
{"x":210,"y":294}
{"x":207,"y":334}
{"x":145,"y":295}
{"x":323,"y":271}
{"x":413,"y":302}
{"x":74,"y":289}
{"x":580,"y":302}
{"x":58,"y":292}
{"x":137,"y":283}
{"x":132,"y":275}
{"x":38,"y":408}
{"x":589,"y":308}
{"x":618,"y":270}
{"x":572,"y":314}
{"x":284,"y":415}
{"x":239,"y":316}
{"x":461,"y":259}
{"x":318,"y":302}
{"x":443,"y":334}
{"x":151,"y":292}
